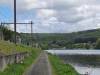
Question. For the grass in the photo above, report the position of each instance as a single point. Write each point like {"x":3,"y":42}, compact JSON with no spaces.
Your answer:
{"x":8,"y":48}
{"x":19,"y":69}
{"x":59,"y":68}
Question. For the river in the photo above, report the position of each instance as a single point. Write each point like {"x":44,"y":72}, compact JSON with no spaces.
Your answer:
{"x":82,"y":60}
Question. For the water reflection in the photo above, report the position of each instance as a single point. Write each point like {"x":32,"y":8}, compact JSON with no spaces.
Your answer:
{"x":82,"y":60}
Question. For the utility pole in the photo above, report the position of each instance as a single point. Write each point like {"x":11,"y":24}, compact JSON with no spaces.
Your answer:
{"x":31,"y":28}
{"x":32,"y":33}
{"x":15,"y":21}
{"x":1,"y":31}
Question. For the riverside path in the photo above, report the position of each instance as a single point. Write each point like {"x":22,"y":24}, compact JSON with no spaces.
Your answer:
{"x":41,"y":66}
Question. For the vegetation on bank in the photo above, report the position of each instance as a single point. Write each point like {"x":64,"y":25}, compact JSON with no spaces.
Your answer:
{"x":7,"y":33}
{"x":97,"y":44}
{"x":59,"y":68}
{"x":19,"y":69}
{"x":8,"y":48}
{"x":77,"y":40}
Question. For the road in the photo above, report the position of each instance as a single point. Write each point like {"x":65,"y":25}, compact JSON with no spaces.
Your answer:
{"x":41,"y":66}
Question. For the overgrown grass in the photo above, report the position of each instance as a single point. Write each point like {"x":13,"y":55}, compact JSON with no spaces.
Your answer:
{"x":18,"y":69}
{"x":8,"y":48}
{"x":61,"y":69}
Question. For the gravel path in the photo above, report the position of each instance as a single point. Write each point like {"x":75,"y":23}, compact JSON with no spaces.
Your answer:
{"x":41,"y":67}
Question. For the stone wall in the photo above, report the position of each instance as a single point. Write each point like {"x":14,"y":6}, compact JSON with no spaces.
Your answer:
{"x":10,"y":59}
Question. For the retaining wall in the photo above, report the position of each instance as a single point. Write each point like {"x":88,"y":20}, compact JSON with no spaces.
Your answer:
{"x":10,"y":59}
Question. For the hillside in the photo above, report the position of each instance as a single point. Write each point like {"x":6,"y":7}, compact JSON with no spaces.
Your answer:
{"x":59,"y":40}
{"x":10,"y":48}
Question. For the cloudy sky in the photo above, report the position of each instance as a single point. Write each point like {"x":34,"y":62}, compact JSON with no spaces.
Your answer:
{"x":58,"y":16}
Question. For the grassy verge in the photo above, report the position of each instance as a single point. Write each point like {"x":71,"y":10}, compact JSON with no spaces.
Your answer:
{"x":8,"y":48}
{"x":18,"y":69}
{"x":61,"y":69}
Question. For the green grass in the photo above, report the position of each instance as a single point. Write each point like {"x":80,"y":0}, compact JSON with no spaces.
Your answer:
{"x":19,"y":69}
{"x":59,"y":68}
{"x":8,"y":48}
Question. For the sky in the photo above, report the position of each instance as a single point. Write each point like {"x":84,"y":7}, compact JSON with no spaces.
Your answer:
{"x":53,"y":16}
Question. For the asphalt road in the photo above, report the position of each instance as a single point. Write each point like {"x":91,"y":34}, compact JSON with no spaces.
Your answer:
{"x":41,"y":67}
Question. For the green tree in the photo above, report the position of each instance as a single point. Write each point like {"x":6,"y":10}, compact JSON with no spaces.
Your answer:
{"x":87,"y":46}
{"x":7,"y":33}
{"x":97,"y":44}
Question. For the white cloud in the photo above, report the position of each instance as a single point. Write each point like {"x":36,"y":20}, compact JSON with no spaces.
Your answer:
{"x":46,"y":13}
{"x":59,"y":15}
{"x":30,"y":4}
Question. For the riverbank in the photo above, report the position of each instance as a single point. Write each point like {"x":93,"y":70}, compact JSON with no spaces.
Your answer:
{"x":82,"y":69}
{"x":59,"y":68}
{"x":83,"y":61}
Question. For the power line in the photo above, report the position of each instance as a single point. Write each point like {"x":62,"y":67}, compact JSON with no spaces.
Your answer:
{"x":31,"y":23}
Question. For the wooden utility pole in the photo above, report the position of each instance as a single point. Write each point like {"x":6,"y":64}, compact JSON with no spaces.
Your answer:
{"x":15,"y":21}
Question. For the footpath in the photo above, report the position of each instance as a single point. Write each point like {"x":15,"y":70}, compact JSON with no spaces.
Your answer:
{"x":41,"y":66}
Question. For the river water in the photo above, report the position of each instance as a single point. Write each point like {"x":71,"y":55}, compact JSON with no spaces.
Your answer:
{"x":84,"y":61}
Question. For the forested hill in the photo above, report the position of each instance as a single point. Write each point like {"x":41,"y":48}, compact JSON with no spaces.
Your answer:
{"x":81,"y":39}
{"x":65,"y":36}
{"x":68,"y":36}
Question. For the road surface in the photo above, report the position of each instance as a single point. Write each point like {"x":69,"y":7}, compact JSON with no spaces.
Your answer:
{"x":41,"y":66}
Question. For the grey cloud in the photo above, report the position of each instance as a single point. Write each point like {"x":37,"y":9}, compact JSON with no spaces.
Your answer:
{"x":67,"y":9}
{"x":71,"y":15}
